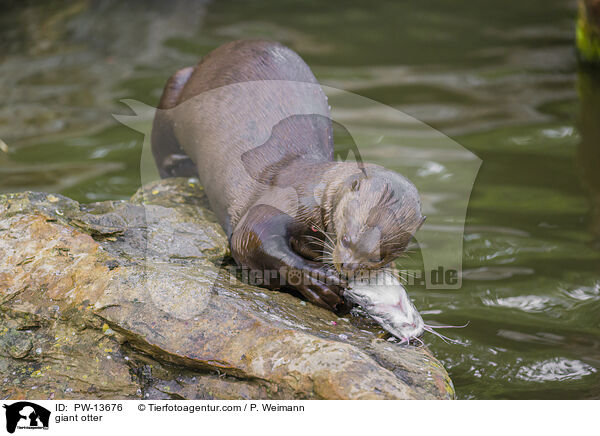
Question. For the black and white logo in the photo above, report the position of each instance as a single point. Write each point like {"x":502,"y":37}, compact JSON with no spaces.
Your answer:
{"x":26,"y":415}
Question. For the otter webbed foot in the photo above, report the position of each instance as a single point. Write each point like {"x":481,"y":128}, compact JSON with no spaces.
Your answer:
{"x":317,"y":283}
{"x":262,"y":242}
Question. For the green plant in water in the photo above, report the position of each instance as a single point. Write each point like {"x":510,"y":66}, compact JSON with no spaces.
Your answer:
{"x":587,"y":36}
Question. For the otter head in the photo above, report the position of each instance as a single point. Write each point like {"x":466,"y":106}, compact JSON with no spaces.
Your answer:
{"x":377,"y":213}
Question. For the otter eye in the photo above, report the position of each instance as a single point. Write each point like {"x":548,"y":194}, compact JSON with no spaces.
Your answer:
{"x":345,"y":240}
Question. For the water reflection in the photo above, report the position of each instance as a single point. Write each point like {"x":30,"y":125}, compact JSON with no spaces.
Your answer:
{"x":588,"y":152}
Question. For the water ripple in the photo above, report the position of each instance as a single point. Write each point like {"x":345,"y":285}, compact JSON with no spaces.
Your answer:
{"x":557,"y":369}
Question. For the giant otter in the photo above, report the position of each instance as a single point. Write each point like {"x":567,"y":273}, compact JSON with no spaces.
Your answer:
{"x":251,"y":121}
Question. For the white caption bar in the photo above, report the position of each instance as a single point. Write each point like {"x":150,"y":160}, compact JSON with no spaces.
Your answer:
{"x":299,"y":417}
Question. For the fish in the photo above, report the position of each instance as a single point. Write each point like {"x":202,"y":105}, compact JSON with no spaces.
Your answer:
{"x":385,"y":300}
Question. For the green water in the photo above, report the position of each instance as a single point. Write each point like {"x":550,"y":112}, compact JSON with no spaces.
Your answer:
{"x":499,"y":78}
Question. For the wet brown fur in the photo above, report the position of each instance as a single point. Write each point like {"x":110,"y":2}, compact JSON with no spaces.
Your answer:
{"x":279,"y":201}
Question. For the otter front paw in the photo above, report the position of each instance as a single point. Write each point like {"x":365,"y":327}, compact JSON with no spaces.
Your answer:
{"x":261,"y":242}
{"x":318,"y":283}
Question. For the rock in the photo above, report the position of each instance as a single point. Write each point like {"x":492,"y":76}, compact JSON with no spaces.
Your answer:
{"x":134,"y":300}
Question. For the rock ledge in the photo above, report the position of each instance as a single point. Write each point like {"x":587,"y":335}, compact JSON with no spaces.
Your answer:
{"x":127,"y":300}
